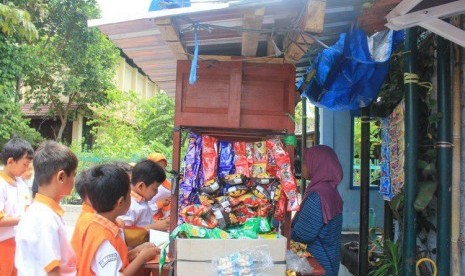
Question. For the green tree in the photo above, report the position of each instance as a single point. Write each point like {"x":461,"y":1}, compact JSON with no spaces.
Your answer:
{"x":71,"y":65}
{"x":155,"y":118}
{"x":113,"y":125}
{"x":16,"y":22}
{"x":15,"y":28}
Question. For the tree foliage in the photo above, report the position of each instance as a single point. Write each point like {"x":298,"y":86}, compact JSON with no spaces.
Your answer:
{"x":113,"y":125}
{"x":155,"y":118}
{"x":71,"y":65}
{"x":16,"y":22}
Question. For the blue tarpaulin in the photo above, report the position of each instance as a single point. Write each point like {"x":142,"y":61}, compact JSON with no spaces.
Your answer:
{"x":349,"y":74}
{"x":168,"y":4}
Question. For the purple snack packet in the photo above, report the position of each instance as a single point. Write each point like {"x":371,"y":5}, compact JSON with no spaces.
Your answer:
{"x":226,"y":159}
{"x":189,"y":184}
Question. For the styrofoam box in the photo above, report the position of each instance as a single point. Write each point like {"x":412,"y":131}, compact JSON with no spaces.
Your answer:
{"x":194,"y":256}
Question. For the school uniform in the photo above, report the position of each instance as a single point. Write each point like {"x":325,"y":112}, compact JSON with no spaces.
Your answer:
{"x":104,"y":251}
{"x":156,"y":204}
{"x":82,"y":223}
{"x":14,"y":199}
{"x":41,"y":241}
{"x":139,"y":214}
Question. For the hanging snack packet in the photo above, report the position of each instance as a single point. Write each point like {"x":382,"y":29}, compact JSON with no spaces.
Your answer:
{"x":237,"y":190}
{"x":284,"y":173}
{"x":209,"y":157}
{"x":271,"y":166}
{"x":261,"y":193}
{"x":226,"y":159}
{"x":208,"y":221}
{"x":195,"y":210}
{"x":210,"y":187}
{"x":280,"y":207}
{"x":206,"y":199}
{"x":240,"y":159}
{"x":192,"y":165}
{"x":259,"y":158}
{"x":249,"y":155}
{"x":275,"y":191}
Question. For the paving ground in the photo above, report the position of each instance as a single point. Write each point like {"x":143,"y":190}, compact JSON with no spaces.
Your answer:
{"x":71,"y":215}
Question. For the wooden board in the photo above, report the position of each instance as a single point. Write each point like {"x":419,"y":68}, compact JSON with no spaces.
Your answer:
{"x":236,"y":95}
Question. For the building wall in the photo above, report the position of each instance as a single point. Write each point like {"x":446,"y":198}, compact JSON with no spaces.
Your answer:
{"x":336,"y":131}
{"x":127,"y":78}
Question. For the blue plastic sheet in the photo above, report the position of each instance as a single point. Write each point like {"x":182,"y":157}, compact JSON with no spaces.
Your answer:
{"x":349,"y":74}
{"x":156,"y":5}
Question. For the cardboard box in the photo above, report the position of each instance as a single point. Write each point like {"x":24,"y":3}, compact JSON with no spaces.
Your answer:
{"x":194,"y":256}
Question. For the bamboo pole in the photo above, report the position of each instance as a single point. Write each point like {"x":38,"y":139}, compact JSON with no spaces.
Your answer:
{"x":456,"y":122}
{"x":409,"y":245}
{"x":444,"y":158}
{"x":364,"y":193}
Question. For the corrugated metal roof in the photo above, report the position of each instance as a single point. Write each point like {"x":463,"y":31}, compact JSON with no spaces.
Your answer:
{"x":141,"y":40}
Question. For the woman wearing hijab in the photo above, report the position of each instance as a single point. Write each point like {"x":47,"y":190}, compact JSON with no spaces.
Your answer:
{"x":318,"y":224}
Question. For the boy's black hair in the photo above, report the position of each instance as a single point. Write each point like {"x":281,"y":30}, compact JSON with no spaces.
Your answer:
{"x":109,"y":183}
{"x":80,"y":184}
{"x":50,"y":158}
{"x":16,"y":148}
{"x":124,"y":165}
{"x":148,"y":172}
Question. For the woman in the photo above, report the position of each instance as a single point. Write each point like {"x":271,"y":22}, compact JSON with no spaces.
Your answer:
{"x":318,"y":224}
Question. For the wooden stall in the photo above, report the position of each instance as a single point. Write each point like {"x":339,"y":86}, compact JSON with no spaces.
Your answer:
{"x":233,"y":100}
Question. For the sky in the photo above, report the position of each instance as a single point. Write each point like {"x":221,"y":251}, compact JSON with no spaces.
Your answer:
{"x":123,"y":8}
{"x":129,"y":8}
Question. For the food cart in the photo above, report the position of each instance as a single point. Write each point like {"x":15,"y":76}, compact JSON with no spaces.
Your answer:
{"x":232,"y":101}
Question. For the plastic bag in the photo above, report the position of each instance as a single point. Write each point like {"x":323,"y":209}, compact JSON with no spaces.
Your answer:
{"x":254,"y":261}
{"x":297,"y":264}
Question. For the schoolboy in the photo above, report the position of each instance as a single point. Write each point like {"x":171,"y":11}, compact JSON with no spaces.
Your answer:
{"x":160,"y":203}
{"x":104,"y":251}
{"x":86,"y":216}
{"x":146,"y":178}
{"x":42,"y":247}
{"x":14,"y":198}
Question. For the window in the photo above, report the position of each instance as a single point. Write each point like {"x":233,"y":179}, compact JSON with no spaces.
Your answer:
{"x":375,"y":153}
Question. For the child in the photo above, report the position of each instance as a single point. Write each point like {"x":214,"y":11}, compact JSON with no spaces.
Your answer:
{"x":146,"y":178}
{"x":86,"y":216}
{"x":160,"y":203}
{"x":103,"y":249}
{"x":42,"y":246}
{"x":14,"y":198}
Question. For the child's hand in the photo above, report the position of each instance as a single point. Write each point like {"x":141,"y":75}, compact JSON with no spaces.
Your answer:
{"x":149,"y":252}
{"x":167,"y":201}
{"x":162,"y":224}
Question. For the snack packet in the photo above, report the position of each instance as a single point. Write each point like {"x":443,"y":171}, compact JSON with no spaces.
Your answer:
{"x":240,"y":159}
{"x":226,"y":159}
{"x":209,"y":157}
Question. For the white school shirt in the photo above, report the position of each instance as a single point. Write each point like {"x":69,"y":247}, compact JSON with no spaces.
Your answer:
{"x":41,"y":240}
{"x":162,"y":194}
{"x":14,"y":199}
{"x":139,"y":214}
{"x":106,"y":260}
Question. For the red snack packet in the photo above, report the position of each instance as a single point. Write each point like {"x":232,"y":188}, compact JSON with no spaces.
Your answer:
{"x":284,"y":173}
{"x":264,"y":210}
{"x":271,"y":167}
{"x":259,"y":152}
{"x":240,"y":159}
{"x":195,"y":210}
{"x":209,"y":157}
{"x":249,"y":154}
{"x":280,"y":207}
